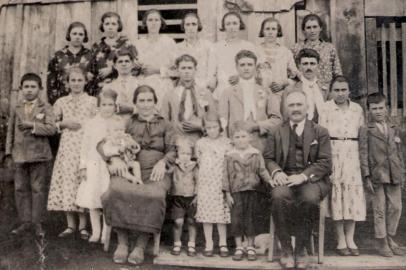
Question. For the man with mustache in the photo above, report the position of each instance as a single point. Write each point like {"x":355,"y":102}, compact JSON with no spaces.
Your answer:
{"x":308,"y":63}
{"x":298,"y":157}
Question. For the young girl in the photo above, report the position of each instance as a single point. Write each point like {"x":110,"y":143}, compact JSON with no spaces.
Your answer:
{"x":245,"y":169}
{"x":279,"y":59}
{"x":71,"y":112}
{"x":211,"y":205}
{"x":93,"y":169}
{"x":183,"y":195}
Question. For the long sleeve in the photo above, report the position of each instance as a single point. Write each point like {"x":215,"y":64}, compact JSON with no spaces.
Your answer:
{"x":165,"y":110}
{"x":336,"y":65}
{"x":363,"y":151}
{"x":170,"y":148}
{"x":48,"y":127}
{"x":262,"y":171}
{"x":53,"y":84}
{"x":10,"y":132}
{"x":270,"y":154}
{"x":273,"y":112}
{"x":224,"y":109}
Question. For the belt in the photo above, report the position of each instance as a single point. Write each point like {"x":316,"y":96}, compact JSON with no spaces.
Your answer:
{"x":343,"y":139}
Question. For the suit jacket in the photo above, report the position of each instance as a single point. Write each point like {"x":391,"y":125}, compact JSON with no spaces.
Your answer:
{"x":381,"y":156}
{"x":171,"y":105}
{"x":31,"y":145}
{"x":231,"y":108}
{"x":316,"y":151}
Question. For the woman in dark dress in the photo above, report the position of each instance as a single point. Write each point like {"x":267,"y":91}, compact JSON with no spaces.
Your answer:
{"x":128,"y":206}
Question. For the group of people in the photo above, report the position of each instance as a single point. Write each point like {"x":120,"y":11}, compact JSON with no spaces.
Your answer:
{"x":232,"y":131}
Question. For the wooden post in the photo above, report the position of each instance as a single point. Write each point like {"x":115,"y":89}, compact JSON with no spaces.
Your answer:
{"x":404,"y":66}
{"x":372,"y":55}
{"x":349,"y":21}
{"x":384,"y":65}
{"x":393,"y":70}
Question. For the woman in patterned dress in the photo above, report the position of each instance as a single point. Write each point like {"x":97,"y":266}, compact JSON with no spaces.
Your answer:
{"x":343,"y":119}
{"x":73,"y":54}
{"x":329,"y":65}
{"x":101,"y":65}
{"x":71,"y":112}
{"x":156,"y":54}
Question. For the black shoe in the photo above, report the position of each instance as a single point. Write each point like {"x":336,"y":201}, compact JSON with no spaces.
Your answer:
{"x":21,"y":229}
{"x":39,"y":231}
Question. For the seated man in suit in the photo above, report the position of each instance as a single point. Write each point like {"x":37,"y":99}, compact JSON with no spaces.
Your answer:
{"x":298,"y":157}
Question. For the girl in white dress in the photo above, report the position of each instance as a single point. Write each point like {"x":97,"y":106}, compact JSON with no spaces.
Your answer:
{"x":93,"y":169}
{"x":156,"y":54}
{"x":195,"y":46}
{"x":343,"y":119}
{"x":211,"y":204}
{"x":222,"y":61}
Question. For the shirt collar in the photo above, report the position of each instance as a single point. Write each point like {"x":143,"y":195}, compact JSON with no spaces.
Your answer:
{"x":300,"y":126}
{"x":249,"y":151}
{"x":32,"y":102}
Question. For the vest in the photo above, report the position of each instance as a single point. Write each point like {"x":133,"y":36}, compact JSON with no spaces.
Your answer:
{"x":295,"y":162}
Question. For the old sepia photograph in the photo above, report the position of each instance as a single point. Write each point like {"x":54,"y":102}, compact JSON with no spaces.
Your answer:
{"x":202,"y":134}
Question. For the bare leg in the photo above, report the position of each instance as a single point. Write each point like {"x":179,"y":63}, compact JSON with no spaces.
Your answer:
{"x":222,"y":229}
{"x":349,"y":233}
{"x":177,"y":231}
{"x":96,"y":226}
{"x":339,"y":226}
{"x":82,"y":221}
{"x":192,"y":230}
{"x":238,"y":241}
{"x":208,"y":235}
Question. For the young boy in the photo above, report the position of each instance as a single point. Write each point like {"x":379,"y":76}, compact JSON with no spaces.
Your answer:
{"x":125,"y":84}
{"x":245,"y":169}
{"x":187,"y":103}
{"x":383,"y":169}
{"x":183,"y":193}
{"x":30,"y":123}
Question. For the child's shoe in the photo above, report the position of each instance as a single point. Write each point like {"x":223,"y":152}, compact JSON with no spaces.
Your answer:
{"x":238,"y":254}
{"x":384,"y":249}
{"x":121,"y":254}
{"x":177,"y":246}
{"x":191,"y":249}
{"x":223,"y":251}
{"x":251,"y":254}
{"x":67,"y":232}
{"x":396,"y":250}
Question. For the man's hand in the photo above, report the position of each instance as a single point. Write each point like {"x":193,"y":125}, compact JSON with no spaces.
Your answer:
{"x":192,"y":126}
{"x":117,"y":167}
{"x":368,"y":185}
{"x":296,"y":179}
{"x":194,"y":201}
{"x":23,"y":125}
{"x":280,"y":179}
{"x":158,"y":172}
{"x":233,"y":80}
{"x":277,"y":87}
{"x":229,"y":199}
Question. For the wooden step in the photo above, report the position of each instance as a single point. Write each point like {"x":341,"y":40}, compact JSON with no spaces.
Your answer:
{"x":331,"y":261}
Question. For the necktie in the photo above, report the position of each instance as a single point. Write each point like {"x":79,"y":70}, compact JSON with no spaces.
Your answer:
{"x":294,"y":127}
{"x":383,"y":128}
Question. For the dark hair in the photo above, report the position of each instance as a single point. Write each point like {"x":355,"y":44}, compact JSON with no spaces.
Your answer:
{"x":106,"y":93}
{"x":144,"y":89}
{"x":150,"y":11}
{"x":31,"y":77}
{"x":308,"y":53}
{"x":312,"y":17}
{"x":375,"y":98}
{"x":191,"y":14}
{"x":338,"y":78}
{"x":122,"y":52}
{"x":111,"y":14}
{"x":76,"y":25}
{"x":245,"y":54}
{"x":238,"y":15}
{"x":185,"y":58}
{"x":76,"y":69}
{"x":212,"y":117}
{"x":269,"y":20}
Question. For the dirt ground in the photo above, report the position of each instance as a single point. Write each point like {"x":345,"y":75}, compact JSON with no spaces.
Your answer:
{"x":71,"y":254}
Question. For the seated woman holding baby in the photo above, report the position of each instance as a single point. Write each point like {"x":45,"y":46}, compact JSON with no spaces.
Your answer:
{"x":140,"y":207}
